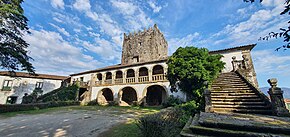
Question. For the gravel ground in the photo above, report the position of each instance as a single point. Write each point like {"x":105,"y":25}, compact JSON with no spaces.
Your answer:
{"x":73,"y":123}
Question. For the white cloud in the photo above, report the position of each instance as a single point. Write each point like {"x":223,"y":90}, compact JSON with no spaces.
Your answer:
{"x":82,"y":5}
{"x":155,"y":8}
{"x":57,"y":4}
{"x":270,"y":62}
{"x":61,"y":30}
{"x":125,"y":7}
{"x":188,"y":40}
{"x":53,"y":55}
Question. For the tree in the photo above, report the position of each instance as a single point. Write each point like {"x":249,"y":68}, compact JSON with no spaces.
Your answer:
{"x":284,"y":32}
{"x":13,"y":25}
{"x":190,"y":67}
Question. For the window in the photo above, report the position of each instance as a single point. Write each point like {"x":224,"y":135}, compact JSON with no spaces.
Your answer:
{"x":39,"y":85}
{"x":7,"y":84}
{"x":81,"y":78}
{"x":135,"y":59}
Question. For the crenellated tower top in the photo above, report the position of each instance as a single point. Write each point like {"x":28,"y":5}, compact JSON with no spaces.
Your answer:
{"x":143,"y":46}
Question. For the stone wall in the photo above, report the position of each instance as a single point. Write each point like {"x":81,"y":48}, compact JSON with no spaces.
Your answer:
{"x":144,"y":46}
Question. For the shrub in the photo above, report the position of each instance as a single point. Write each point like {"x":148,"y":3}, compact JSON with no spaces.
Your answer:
{"x":61,"y":94}
{"x":92,"y":103}
{"x":171,"y":102}
{"x":163,"y":124}
{"x":188,"y":109}
{"x":24,"y":107}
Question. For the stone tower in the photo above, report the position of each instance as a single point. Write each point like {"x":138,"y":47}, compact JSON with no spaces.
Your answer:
{"x":144,"y":46}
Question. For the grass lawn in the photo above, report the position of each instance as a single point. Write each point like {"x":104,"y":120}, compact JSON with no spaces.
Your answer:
{"x":128,"y":129}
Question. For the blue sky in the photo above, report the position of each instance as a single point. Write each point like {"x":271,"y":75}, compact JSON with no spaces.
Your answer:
{"x":70,"y":36}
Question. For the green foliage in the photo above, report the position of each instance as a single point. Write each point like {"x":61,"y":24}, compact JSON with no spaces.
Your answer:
{"x":36,"y":106}
{"x":171,"y":101}
{"x":166,"y":123}
{"x":188,"y":109}
{"x":13,"y":53}
{"x":190,"y":67}
{"x":32,"y":98}
{"x":61,"y":94}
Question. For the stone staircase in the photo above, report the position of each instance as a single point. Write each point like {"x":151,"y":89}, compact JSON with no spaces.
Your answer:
{"x":236,"y":125}
{"x":231,"y":92}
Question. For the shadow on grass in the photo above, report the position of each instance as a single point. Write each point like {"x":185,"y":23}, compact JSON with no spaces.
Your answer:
{"x":127,"y":129}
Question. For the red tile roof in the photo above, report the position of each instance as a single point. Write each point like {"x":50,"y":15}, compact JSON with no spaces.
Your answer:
{"x":27,"y":75}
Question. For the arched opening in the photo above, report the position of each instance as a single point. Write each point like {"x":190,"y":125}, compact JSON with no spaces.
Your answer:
{"x":128,"y":95}
{"x":108,"y":78}
{"x":158,"y":69}
{"x":105,"y":96}
{"x":119,"y":77}
{"x":155,"y":95}
{"x":130,"y":73}
{"x":143,"y":71}
{"x":130,"y":78}
{"x":99,"y":79}
{"x":108,"y":75}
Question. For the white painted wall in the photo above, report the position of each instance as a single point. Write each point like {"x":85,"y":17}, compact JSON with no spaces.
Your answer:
{"x":21,"y":85}
{"x":228,"y":59}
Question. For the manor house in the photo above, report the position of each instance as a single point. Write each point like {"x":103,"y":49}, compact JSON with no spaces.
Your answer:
{"x":140,"y":78}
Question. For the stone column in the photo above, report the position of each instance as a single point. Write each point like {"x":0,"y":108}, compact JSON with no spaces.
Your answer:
{"x":124,"y":77}
{"x":150,"y":74}
{"x":113,"y":77}
{"x":103,"y":78}
{"x":277,"y":100}
{"x":136,"y":75}
{"x":207,"y":98}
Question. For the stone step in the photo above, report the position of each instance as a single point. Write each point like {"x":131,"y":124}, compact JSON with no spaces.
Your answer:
{"x":231,"y":94}
{"x":244,"y":106}
{"x":229,"y":84}
{"x":235,"y":97}
{"x":237,"y":100}
{"x":240,"y":110}
{"x":237,"y":103}
{"x":232,"y":91}
{"x":232,"y":88}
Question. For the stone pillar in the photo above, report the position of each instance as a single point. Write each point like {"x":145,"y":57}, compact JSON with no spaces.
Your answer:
{"x":113,"y":77}
{"x":124,"y":77}
{"x":150,"y":74}
{"x":136,"y":75}
{"x":207,"y":98}
{"x":277,"y":100}
{"x":103,"y":78}
{"x":234,"y":64}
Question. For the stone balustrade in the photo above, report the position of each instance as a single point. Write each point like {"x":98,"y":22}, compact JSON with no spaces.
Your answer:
{"x":130,"y":80}
{"x":118,"y":80}
{"x":143,"y":79}
{"x":158,"y":77}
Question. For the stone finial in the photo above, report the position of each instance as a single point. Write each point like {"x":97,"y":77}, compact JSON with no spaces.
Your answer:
{"x":205,"y":83}
{"x":273,"y":82}
{"x":155,"y":26}
{"x":245,"y":58}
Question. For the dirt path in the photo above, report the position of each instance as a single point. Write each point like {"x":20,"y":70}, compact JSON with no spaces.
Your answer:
{"x":70,"y":123}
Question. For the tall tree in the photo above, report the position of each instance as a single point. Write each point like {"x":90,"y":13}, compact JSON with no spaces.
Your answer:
{"x":13,"y":25}
{"x":190,"y":67}
{"x":284,"y":32}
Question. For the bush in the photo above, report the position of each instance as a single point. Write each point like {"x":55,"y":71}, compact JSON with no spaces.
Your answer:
{"x":61,"y":94}
{"x":171,"y":102}
{"x":188,"y":109}
{"x":92,"y":103}
{"x":25,"y":107}
{"x":166,"y":123}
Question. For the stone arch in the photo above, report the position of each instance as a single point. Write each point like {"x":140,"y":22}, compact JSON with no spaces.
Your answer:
{"x":119,"y":74}
{"x":157,"y":69}
{"x":108,"y":75}
{"x":99,"y":76}
{"x":127,"y":96}
{"x":130,"y":73}
{"x":105,"y":96}
{"x":143,"y":71}
{"x":155,"y":95}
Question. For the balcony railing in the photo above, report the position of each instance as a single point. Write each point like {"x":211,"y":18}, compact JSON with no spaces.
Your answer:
{"x":158,"y":77}
{"x":118,"y":80}
{"x":140,"y":79}
{"x":108,"y":81}
{"x":6,"y":88}
{"x":130,"y":80}
{"x":143,"y":79}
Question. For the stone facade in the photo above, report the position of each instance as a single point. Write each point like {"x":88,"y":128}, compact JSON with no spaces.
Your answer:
{"x":144,"y":46}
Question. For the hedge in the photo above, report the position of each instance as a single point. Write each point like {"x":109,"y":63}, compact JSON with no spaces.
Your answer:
{"x":23,"y":107}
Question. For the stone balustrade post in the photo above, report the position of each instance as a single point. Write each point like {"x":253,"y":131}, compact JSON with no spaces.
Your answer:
{"x":136,"y":75}
{"x":207,"y":97}
{"x":150,"y":74}
{"x":124,"y":77}
{"x":277,"y":100}
{"x":234,"y":63}
{"x":103,"y":78}
{"x":113,"y":77}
